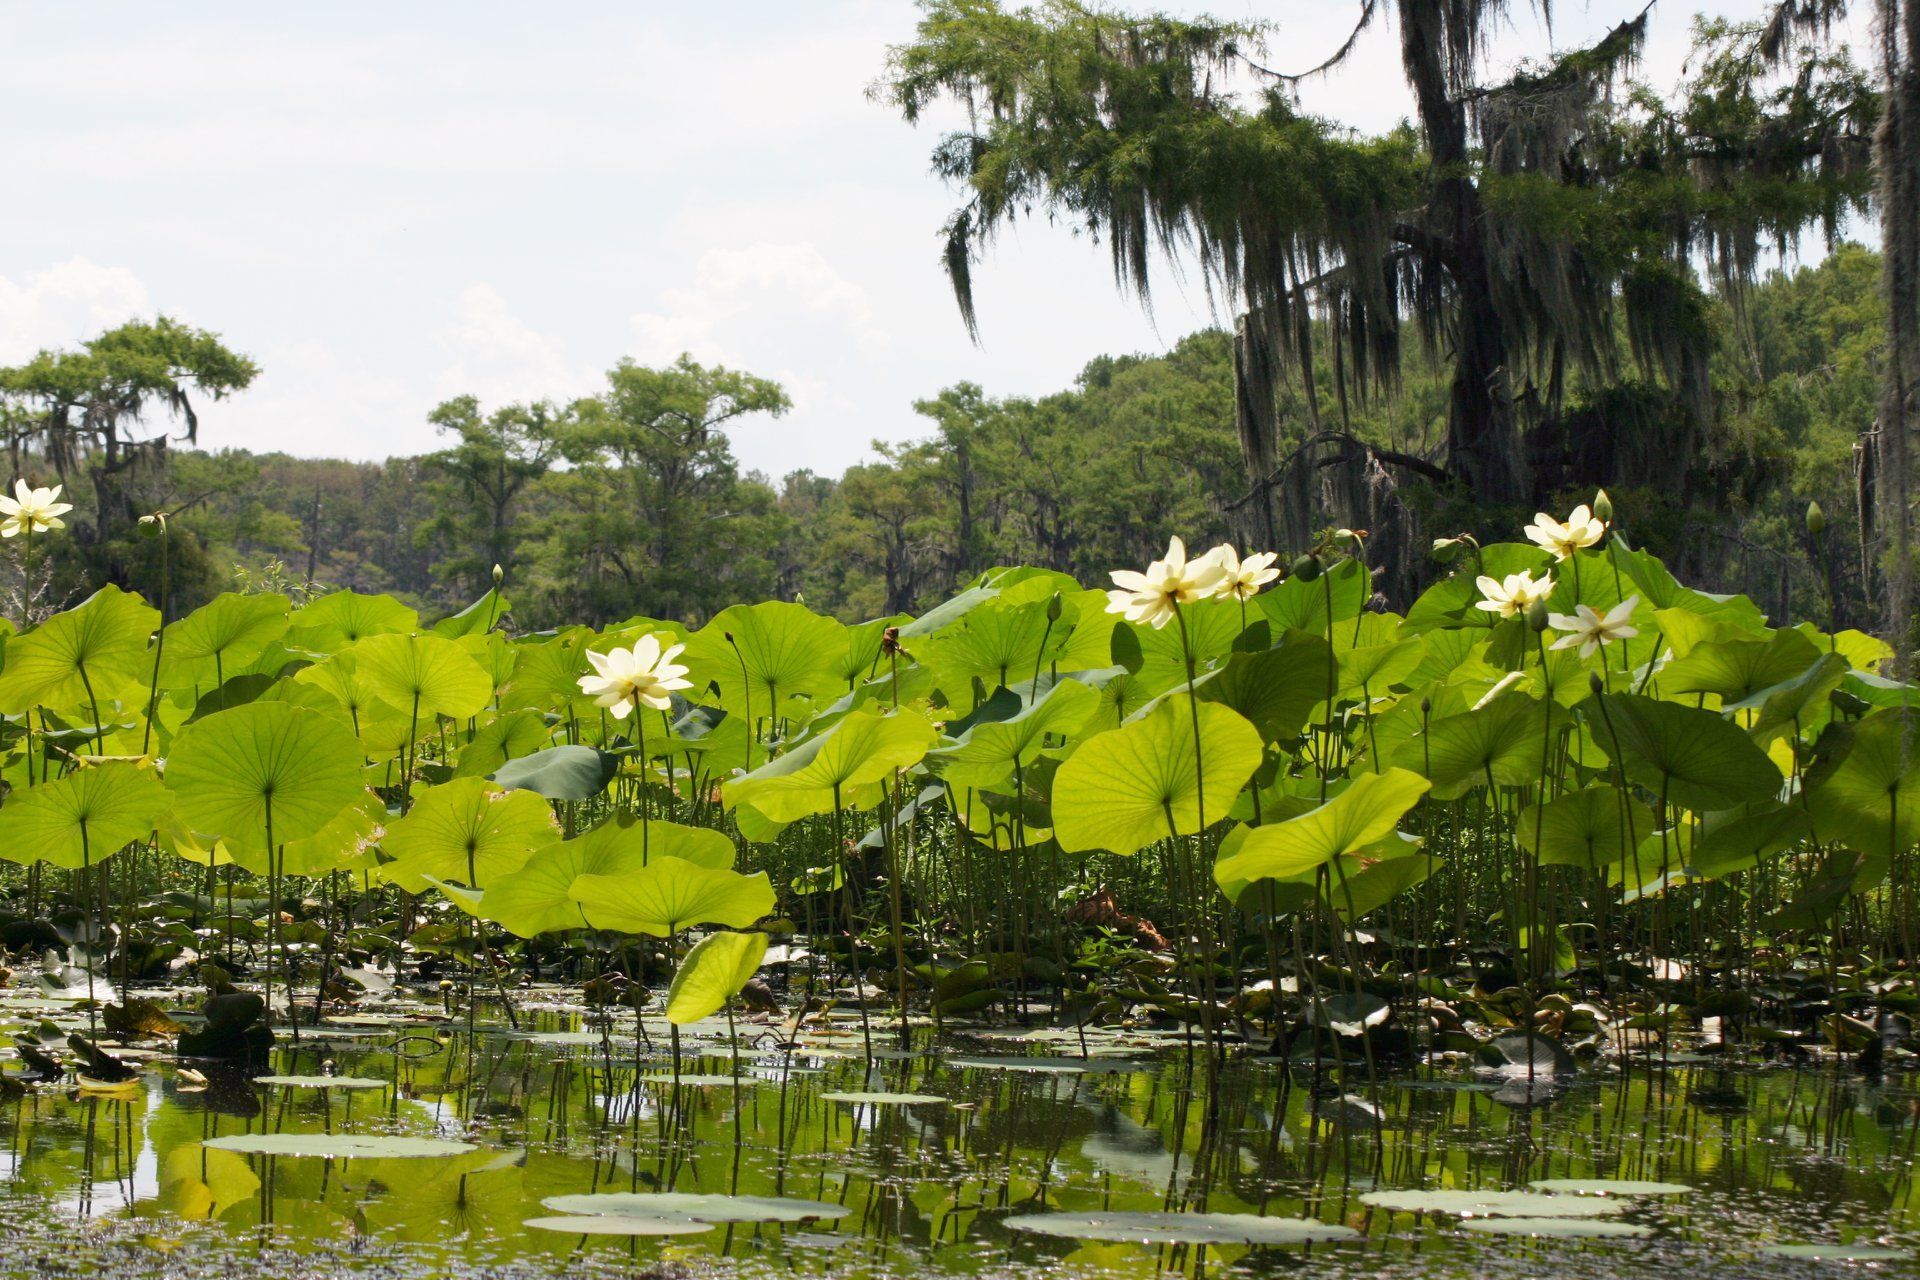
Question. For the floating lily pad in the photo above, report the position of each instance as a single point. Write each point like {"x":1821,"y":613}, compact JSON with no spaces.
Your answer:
{"x":695,"y":1080}
{"x":1180,"y":1228}
{"x":1493,"y":1204}
{"x":1054,"y":1066}
{"x":877,"y":1099}
{"x":1610,"y":1187}
{"x":592,"y":1224}
{"x":1557,"y":1228}
{"x":338,"y":1146}
{"x":322,"y":1082}
{"x":1835,"y":1252}
{"x":687,"y":1207}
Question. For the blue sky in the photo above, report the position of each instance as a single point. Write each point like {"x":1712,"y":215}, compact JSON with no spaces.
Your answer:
{"x":389,"y":204}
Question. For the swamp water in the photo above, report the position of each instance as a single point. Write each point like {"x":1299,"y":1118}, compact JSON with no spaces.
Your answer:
{"x":952,"y":1160}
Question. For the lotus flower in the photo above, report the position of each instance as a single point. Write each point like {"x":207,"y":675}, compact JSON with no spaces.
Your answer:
{"x":644,"y":675}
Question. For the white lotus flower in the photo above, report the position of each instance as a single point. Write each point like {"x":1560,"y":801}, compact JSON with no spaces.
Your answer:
{"x":32,"y":510}
{"x":1591,"y":630}
{"x":641,"y":676}
{"x":1169,"y":582}
{"x":1242,"y":579}
{"x":1582,"y":529}
{"x":1514,"y":595}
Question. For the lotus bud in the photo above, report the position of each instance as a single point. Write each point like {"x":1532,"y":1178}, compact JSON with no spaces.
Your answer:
{"x":1595,"y":683}
{"x":1446,"y":550}
{"x":1053,"y":608}
{"x":499,"y":575}
{"x":1537,"y":615}
{"x":1603,"y":507}
{"x":1816,"y":519}
{"x":1307,"y":568}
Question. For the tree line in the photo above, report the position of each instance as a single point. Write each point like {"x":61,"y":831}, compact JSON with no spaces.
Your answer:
{"x":629,"y":500}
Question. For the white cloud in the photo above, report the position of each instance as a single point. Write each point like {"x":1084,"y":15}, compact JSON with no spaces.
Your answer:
{"x":65,"y":303}
{"x":498,"y":357}
{"x":737,"y":293}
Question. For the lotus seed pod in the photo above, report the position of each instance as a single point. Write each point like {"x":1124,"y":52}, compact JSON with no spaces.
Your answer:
{"x":1307,"y":568}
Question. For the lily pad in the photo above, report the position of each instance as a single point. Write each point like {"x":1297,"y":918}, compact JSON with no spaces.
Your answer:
{"x":882,"y":1099}
{"x":687,"y":1207}
{"x":589,"y":1224}
{"x":1557,"y":1228}
{"x":1180,"y":1228}
{"x":1835,"y":1252}
{"x":1610,"y":1187}
{"x":1493,"y":1204}
{"x":338,"y":1146}
{"x":322,"y":1082}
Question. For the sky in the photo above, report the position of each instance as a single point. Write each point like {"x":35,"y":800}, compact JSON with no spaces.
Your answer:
{"x":387,"y":205}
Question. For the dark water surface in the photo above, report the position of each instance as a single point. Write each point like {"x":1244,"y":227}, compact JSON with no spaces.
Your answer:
{"x":1813,"y":1154}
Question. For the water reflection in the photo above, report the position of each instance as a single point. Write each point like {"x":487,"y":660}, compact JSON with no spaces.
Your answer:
{"x":560,"y":1107}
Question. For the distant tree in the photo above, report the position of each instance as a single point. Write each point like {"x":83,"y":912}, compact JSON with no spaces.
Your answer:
{"x":481,"y":480}
{"x":657,"y":518}
{"x":1528,"y":229}
{"x":91,"y":412}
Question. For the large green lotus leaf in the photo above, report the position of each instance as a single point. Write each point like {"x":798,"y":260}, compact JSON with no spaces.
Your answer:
{"x":1212,"y":627}
{"x":1655,"y":584}
{"x":1740,"y":842}
{"x":1376,"y":668}
{"x":1362,"y":884}
{"x":1276,"y":689}
{"x":570,"y":772}
{"x":1449,"y":603}
{"x":1694,"y":758}
{"x":1862,"y":651}
{"x":219,"y":638}
{"x":547,"y":670}
{"x":777,"y":651}
{"x":988,"y":752}
{"x":334,"y":621}
{"x":425,"y":675}
{"x":345,"y":842}
{"x":534,"y":898}
{"x":1089,"y":642}
{"x":266,"y":765}
{"x":477,"y":618}
{"x":842,"y":763}
{"x":1593,"y":827}
{"x":1119,"y":790}
{"x":1299,"y":605}
{"x":862,"y":660}
{"x":467,"y":831}
{"x":104,"y":637}
{"x":1881,"y":691}
{"x":1737,"y":669}
{"x":84,"y":817}
{"x":494,"y":652}
{"x":999,"y":643}
{"x":1871,"y":798}
{"x":712,"y":974}
{"x":1364,"y":814}
{"x":341,"y":678}
{"x":1507,"y":738}
{"x":1799,"y":705}
{"x":505,"y":737}
{"x":671,"y":894}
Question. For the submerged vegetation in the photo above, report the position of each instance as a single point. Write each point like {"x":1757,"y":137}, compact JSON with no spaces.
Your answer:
{"x":1565,"y":819}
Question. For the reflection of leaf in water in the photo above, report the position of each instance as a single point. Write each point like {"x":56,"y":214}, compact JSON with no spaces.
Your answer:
{"x":199,"y":1183}
{"x":1126,"y":1148}
{"x":480,"y":1191}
